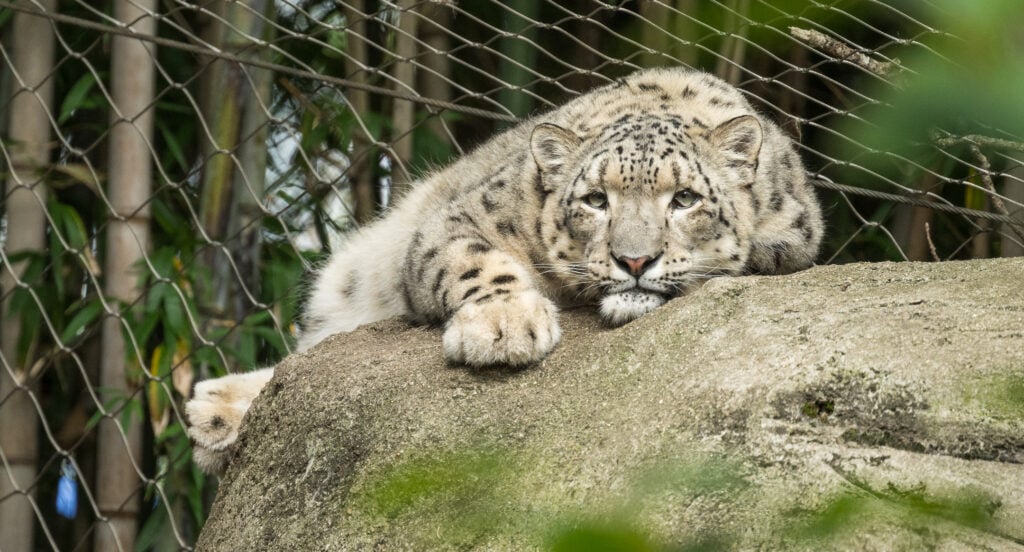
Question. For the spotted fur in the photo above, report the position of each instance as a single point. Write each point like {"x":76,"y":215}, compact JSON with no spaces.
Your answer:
{"x":624,"y":197}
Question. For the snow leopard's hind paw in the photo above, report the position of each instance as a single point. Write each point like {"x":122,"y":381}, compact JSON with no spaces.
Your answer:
{"x":215,"y":416}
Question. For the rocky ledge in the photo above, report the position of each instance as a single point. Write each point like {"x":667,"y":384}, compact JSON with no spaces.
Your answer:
{"x":868,"y":406}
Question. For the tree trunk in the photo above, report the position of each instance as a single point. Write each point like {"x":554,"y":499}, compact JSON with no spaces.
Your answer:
{"x":119,"y":477}
{"x":32,"y":52}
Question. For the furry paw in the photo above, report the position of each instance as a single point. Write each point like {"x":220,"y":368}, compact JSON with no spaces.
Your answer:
{"x":215,"y":415}
{"x":619,"y":308}
{"x":511,"y":330}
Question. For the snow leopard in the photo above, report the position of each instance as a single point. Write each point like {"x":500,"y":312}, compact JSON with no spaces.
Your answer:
{"x":623,"y":198}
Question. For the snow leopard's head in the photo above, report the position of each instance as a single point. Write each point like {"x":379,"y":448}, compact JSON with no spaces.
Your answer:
{"x":647,"y":207}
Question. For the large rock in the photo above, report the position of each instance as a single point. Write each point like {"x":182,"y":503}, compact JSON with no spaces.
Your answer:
{"x":872,"y":406}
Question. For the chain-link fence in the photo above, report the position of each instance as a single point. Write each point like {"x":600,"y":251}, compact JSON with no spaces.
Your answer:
{"x":173,"y":168}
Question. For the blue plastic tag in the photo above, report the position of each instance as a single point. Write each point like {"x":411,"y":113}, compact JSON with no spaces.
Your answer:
{"x":67,"y":491}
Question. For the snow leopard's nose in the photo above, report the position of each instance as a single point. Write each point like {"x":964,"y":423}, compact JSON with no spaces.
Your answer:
{"x":635,"y":265}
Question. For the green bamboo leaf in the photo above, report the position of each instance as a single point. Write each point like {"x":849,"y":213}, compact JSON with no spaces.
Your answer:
{"x":155,"y":297}
{"x":79,"y":173}
{"x":72,"y":225}
{"x":21,"y":300}
{"x":246,"y":349}
{"x":179,"y":448}
{"x":77,"y":97}
{"x":153,"y":530}
{"x":174,"y":315}
{"x":31,"y":326}
{"x":141,"y":332}
{"x":272,"y":337}
{"x":173,"y":146}
{"x":336,"y":37}
{"x":85,"y":316}
{"x":208,"y":355}
{"x":132,"y":408}
{"x":257,"y":318}
{"x":56,"y":251}
{"x":163,"y":262}
{"x":175,"y":108}
{"x":168,"y":220}
{"x":195,"y":498}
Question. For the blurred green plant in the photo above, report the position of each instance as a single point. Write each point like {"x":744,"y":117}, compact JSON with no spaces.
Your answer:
{"x":475,"y":495}
{"x":972,"y":86}
{"x":465,"y":497}
{"x":845,"y":514}
{"x":953,"y":105}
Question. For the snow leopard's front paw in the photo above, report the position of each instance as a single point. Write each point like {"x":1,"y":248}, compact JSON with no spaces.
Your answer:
{"x":619,"y":308}
{"x":514,"y":330}
{"x":215,"y":416}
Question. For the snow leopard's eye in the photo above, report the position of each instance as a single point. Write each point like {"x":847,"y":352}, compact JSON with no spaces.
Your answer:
{"x":685,"y":199}
{"x":596,"y":200}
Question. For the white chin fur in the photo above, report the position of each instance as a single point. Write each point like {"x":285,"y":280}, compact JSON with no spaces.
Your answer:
{"x":619,"y":308}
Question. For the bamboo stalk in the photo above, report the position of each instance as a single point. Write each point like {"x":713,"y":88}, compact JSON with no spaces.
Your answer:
{"x":433,"y":82}
{"x":1013,"y":189}
{"x":233,"y":176}
{"x":129,"y":186}
{"x":221,"y":106}
{"x":909,"y":223}
{"x":360,"y":173}
{"x":670,"y":32}
{"x":732,"y":54}
{"x":514,"y":74}
{"x":32,"y":54}
{"x":403,"y":113}
{"x":250,"y":180}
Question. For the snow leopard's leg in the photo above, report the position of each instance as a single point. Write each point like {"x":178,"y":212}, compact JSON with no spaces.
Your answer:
{"x":215,"y":415}
{"x":493,"y":313}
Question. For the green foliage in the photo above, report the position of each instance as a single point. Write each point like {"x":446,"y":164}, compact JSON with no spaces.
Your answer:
{"x":948,"y":86}
{"x":468,"y":496}
{"x":429,"y":149}
{"x":847,"y":513}
{"x":62,"y":312}
{"x":78,"y":97}
{"x":605,"y":536}
{"x":464,"y":497}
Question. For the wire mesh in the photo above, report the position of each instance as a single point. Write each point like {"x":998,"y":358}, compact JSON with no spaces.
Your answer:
{"x":277,"y":126}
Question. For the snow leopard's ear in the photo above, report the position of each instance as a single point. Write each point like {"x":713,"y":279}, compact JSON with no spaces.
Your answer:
{"x":552,"y":146}
{"x":738,"y":141}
